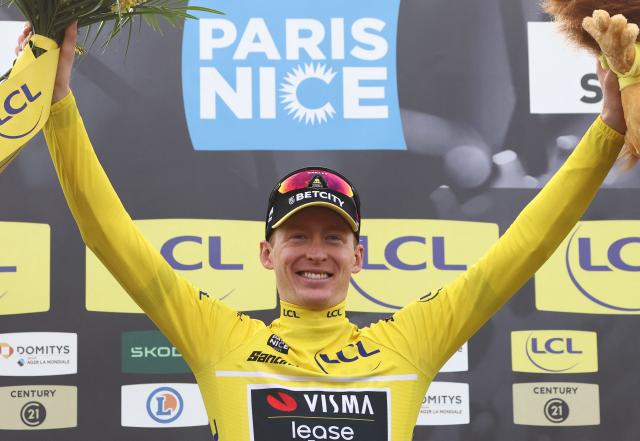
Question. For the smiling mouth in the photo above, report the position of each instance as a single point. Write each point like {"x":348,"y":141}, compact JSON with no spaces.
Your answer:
{"x":314,"y":275}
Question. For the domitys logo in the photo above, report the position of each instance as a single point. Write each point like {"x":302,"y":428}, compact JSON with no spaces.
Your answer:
{"x":6,"y":351}
{"x":293,"y":75}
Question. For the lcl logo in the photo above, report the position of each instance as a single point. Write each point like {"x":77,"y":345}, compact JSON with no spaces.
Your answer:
{"x":341,"y":357}
{"x":393,"y":259}
{"x":615,"y":253}
{"x":16,"y":102}
{"x":214,"y":244}
{"x":290,"y":313}
{"x":555,"y":345}
{"x":599,"y":260}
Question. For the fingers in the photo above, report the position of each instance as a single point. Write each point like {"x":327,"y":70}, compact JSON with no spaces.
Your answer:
{"x":65,"y":63}
{"x":602,"y":20}
{"x":601,"y":23}
{"x":618,"y":23}
{"x":67,"y":50}
{"x":597,"y":24}
{"x":26,"y":33}
{"x":589,"y":25}
{"x":630,"y":34}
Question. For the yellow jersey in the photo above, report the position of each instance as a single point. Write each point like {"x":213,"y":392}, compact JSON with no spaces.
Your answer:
{"x":313,"y":375}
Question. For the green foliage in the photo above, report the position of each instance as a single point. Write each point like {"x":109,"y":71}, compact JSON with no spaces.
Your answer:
{"x":51,"y":17}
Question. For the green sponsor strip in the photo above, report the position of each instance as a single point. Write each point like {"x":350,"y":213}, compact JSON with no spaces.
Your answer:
{"x":149,"y":352}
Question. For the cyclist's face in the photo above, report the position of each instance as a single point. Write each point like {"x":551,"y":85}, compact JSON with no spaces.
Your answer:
{"x":313,"y":255}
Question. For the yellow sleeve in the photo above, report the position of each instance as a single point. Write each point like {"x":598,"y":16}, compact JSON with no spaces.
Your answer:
{"x":202,"y":328}
{"x":431,"y":329}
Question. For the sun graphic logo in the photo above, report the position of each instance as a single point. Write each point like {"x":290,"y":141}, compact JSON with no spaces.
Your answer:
{"x":6,"y":351}
{"x":289,"y":96}
{"x":293,"y":75}
{"x":165,"y":405}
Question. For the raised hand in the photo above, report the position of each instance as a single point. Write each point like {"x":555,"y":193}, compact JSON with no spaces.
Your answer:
{"x":612,"y":111}
{"x":65,"y":62}
{"x":26,"y":33}
{"x":617,"y":40}
{"x":615,"y":37}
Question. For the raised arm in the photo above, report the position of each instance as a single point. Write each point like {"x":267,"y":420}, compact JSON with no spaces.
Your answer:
{"x":442,"y":321}
{"x":198,"y":325}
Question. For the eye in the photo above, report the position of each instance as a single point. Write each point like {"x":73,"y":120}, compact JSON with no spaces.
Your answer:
{"x":334,"y":238}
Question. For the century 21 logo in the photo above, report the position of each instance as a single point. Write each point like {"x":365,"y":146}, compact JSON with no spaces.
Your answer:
{"x":405,"y":258}
{"x":597,"y":270}
{"x":554,"y":351}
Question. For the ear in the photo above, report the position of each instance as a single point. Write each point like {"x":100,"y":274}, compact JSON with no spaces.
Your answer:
{"x":359,"y":255}
{"x":266,"y":254}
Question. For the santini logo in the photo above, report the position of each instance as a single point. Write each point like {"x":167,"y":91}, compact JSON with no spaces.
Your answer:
{"x":293,"y":76}
{"x":596,"y":269}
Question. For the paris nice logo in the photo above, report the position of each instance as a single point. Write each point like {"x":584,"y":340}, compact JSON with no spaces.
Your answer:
{"x":293,"y":75}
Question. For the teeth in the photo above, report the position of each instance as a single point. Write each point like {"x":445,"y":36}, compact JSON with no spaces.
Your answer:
{"x":310,"y":275}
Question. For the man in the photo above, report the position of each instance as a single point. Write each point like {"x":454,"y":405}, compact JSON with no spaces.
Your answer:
{"x":311,"y":374}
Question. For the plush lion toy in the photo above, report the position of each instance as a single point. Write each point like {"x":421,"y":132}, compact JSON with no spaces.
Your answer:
{"x":606,"y":27}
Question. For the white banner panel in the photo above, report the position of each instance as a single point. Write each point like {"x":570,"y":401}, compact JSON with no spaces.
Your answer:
{"x":459,"y":361}
{"x":445,"y":404}
{"x":9,"y":32}
{"x":162,"y":405}
{"x":38,"y":354}
{"x":562,"y":78}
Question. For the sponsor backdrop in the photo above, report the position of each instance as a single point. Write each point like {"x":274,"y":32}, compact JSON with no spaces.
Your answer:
{"x":448,"y":116}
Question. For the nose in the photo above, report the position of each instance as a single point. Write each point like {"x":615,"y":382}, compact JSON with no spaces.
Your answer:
{"x":316,"y":250}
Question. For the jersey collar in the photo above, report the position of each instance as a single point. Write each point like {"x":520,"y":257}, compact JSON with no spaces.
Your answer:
{"x":310,"y":330}
{"x":295,"y":315}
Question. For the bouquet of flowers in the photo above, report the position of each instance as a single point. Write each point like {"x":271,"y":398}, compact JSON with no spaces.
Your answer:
{"x":26,"y":90}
